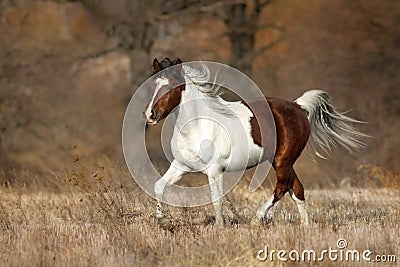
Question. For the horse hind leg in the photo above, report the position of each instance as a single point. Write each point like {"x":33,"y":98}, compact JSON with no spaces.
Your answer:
{"x":296,"y":192}
{"x":283,"y":174}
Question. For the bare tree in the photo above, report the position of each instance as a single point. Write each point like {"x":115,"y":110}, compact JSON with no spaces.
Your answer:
{"x":134,"y":23}
{"x":241,"y":19}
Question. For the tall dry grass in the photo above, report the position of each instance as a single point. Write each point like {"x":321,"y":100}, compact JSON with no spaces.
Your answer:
{"x":98,"y":217}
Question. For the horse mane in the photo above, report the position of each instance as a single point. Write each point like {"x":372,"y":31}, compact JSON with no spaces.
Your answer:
{"x":201,"y":81}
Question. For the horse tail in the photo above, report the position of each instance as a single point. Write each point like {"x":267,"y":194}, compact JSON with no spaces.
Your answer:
{"x":329,"y":127}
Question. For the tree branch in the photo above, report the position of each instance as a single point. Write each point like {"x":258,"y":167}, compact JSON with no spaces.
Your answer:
{"x":258,"y":52}
{"x":263,"y":4}
{"x":200,"y":8}
{"x":254,"y":29}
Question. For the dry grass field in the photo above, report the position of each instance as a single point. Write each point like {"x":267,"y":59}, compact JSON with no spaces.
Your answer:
{"x":68,"y":69}
{"x":97,"y":216}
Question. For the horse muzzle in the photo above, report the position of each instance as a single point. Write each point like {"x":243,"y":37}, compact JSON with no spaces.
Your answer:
{"x":152,"y":118}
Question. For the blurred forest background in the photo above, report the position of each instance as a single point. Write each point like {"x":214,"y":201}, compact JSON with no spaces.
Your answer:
{"x":69,"y":68}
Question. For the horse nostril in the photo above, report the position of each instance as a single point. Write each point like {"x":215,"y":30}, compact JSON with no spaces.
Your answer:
{"x":153,"y":115}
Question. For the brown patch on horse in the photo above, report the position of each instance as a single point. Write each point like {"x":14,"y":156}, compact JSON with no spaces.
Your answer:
{"x":292,"y":132}
{"x":285,"y":114}
{"x":169,"y":96}
{"x":261,"y":119}
{"x":298,"y":189}
{"x":168,"y":102}
{"x":292,"y":128}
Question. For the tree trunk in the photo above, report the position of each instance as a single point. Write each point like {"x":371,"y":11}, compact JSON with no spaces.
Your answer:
{"x":241,"y":23}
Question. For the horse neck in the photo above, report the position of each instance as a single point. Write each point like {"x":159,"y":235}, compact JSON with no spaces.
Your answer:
{"x":191,"y":106}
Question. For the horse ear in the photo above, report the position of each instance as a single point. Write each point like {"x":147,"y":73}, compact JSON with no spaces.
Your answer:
{"x":156,"y":65}
{"x":179,"y":63}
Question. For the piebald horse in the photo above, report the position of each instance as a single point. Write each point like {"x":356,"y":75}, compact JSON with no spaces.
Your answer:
{"x":311,"y":115}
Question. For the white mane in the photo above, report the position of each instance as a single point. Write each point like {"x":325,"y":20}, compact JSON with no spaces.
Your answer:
{"x":201,"y":81}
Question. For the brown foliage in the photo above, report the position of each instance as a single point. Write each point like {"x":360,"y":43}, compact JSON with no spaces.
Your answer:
{"x":67,"y":68}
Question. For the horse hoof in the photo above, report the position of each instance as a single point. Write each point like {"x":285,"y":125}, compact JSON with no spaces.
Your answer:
{"x":166,"y":224}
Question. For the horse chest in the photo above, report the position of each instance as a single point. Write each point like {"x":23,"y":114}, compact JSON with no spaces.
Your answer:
{"x":199,"y":149}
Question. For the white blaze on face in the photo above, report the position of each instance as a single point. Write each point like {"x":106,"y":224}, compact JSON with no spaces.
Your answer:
{"x":160,"y":82}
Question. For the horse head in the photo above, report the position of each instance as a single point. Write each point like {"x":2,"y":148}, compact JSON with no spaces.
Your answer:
{"x":167,"y":86}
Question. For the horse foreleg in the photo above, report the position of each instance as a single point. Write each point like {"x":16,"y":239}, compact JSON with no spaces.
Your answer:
{"x":216,"y":185}
{"x":173,"y":175}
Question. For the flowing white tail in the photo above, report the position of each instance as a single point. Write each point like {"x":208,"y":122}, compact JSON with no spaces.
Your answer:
{"x":328,"y":126}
